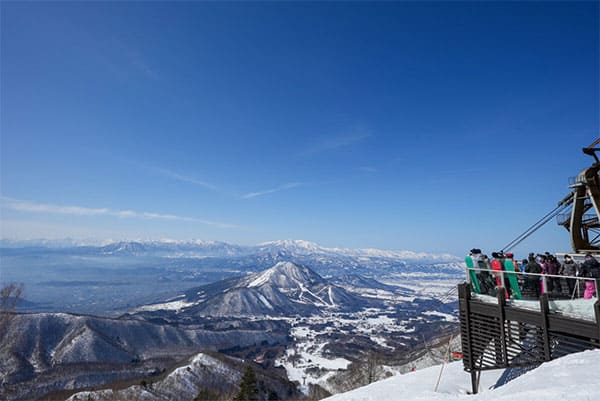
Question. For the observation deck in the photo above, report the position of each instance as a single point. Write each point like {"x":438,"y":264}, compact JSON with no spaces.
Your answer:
{"x":499,"y":332}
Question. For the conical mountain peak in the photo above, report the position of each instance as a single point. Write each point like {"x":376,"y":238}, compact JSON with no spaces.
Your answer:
{"x":285,"y":275}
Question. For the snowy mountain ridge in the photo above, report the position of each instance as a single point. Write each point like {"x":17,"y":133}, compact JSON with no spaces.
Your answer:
{"x":206,"y":374}
{"x":197,"y":247}
{"x":40,"y":351}
{"x":307,"y":247}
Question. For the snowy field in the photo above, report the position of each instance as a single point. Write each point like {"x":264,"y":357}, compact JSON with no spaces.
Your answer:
{"x":307,"y":360}
{"x":571,"y":378}
{"x":426,"y":284}
{"x":307,"y":356}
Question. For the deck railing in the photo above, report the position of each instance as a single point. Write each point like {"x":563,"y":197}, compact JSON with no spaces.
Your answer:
{"x":497,"y":333}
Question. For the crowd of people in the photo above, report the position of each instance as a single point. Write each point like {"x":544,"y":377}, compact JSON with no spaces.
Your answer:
{"x":544,"y":273}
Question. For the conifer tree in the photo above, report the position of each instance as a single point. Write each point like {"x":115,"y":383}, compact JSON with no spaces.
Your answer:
{"x":248,"y":389}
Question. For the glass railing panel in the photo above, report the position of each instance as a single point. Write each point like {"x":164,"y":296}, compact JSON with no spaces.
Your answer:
{"x":567,"y":295}
{"x":579,"y":308}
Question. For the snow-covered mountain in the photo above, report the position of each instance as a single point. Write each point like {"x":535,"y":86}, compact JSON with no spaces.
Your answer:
{"x":52,"y":243}
{"x":172,"y":248}
{"x":359,"y":283}
{"x":285,"y":289}
{"x":299,"y":247}
{"x":211,"y":375}
{"x":52,"y":351}
{"x":262,"y":291}
{"x":305,"y":248}
{"x":571,"y":378}
{"x":199,"y":248}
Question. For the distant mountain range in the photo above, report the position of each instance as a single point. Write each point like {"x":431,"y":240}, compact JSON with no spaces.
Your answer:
{"x":46,"y":352}
{"x":200,"y":248}
{"x":230,"y":257}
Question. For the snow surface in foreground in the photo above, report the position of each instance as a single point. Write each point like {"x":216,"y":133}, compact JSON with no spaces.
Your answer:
{"x":573,"y":377}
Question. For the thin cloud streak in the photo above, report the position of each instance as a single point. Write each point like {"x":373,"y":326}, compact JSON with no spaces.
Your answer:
{"x":190,"y":180}
{"x":184,"y":178}
{"x":138,"y":63}
{"x":463,"y":171}
{"x":178,"y":177}
{"x":34,"y":207}
{"x":335,"y":142}
{"x":283,"y":187}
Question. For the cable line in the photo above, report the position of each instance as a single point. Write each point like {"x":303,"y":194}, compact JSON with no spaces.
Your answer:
{"x":536,"y":226}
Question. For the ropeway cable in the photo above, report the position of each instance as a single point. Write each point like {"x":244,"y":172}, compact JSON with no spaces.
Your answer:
{"x":548,"y":215}
{"x":531,"y":232}
{"x":536,"y":226}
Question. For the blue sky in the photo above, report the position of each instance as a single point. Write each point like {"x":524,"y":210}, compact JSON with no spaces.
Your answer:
{"x":422,"y":126}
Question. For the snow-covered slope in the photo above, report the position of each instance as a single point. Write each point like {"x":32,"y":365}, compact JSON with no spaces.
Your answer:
{"x":285,"y":289}
{"x":302,"y":247}
{"x":51,"y":351}
{"x":210,"y":375}
{"x":572,"y":378}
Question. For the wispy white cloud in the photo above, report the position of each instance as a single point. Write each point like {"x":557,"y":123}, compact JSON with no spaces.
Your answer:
{"x":35,"y":207}
{"x":463,"y":171}
{"x":137,"y":61}
{"x":177,"y":176}
{"x":235,"y":194}
{"x":283,"y":187}
{"x":336,"y":142}
{"x":124,"y":60}
{"x":185,"y":178}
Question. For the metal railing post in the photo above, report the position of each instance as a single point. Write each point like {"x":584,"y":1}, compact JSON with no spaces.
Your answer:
{"x":597,"y":314}
{"x":464,"y":295}
{"x":545,"y":309}
{"x":501,"y":304}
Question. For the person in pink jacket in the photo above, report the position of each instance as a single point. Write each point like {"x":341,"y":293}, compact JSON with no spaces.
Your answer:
{"x":541,"y":259}
{"x":590,"y":269}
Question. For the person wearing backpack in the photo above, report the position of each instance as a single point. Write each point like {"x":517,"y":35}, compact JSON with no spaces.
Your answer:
{"x":552,"y":268}
{"x":569,"y":268}
{"x":533,"y":282}
{"x":486,"y":279}
{"x":590,"y":269}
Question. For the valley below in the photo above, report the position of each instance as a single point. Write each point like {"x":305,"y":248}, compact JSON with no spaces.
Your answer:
{"x":311,"y":321}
